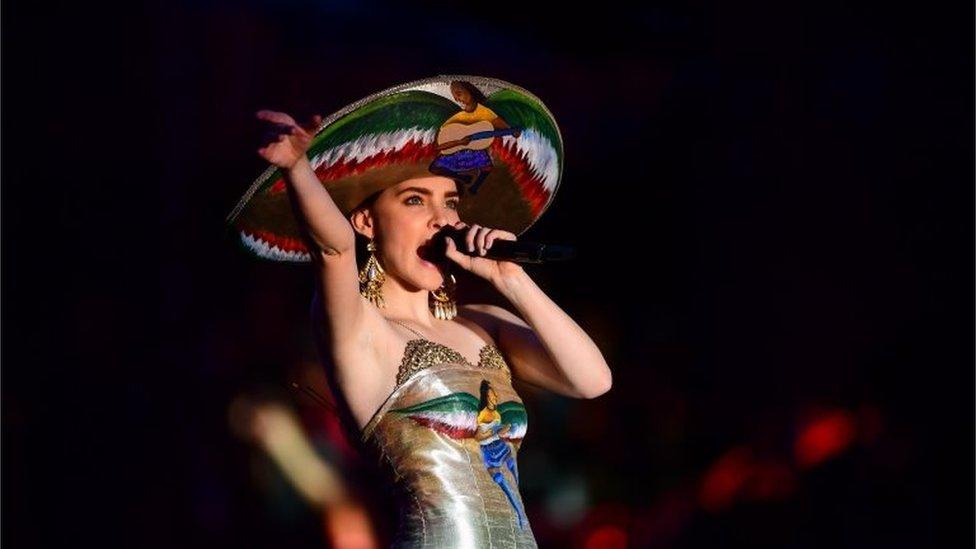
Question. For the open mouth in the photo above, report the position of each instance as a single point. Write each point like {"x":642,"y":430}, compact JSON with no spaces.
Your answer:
{"x":431,"y":251}
{"x":426,"y":252}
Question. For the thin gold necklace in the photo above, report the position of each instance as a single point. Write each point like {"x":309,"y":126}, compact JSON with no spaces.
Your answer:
{"x":409,"y":328}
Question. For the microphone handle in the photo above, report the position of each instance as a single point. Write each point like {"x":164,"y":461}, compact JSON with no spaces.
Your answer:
{"x":517,"y":250}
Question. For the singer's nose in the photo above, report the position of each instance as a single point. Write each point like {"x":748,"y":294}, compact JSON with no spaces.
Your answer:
{"x":442,"y":217}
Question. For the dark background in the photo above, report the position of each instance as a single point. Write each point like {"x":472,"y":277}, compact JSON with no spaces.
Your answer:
{"x":773,"y":204}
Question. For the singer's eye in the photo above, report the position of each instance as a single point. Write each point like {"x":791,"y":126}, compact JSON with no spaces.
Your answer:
{"x":453,"y":203}
{"x":407,"y":201}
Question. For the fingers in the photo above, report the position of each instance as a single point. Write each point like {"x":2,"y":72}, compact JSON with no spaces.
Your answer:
{"x":479,"y":239}
{"x":314,"y":124}
{"x":276,"y":117}
{"x":454,"y":255}
{"x":276,"y":133}
{"x":304,"y":134}
{"x":283,"y":119}
{"x":284,"y":125}
{"x":469,"y":238}
{"x":497,"y":234}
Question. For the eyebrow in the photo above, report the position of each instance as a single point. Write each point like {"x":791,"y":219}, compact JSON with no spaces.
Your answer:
{"x":425,"y":192}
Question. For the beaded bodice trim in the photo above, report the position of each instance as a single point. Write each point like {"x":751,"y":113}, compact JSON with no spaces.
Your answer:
{"x":422,"y":353}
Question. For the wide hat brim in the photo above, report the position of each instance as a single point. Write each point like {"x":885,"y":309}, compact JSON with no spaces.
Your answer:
{"x":508,"y":173}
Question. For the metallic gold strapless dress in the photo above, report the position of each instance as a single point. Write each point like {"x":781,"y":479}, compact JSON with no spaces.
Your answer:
{"x":450,"y":432}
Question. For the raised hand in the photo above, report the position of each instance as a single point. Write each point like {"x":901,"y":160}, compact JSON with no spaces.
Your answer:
{"x":288,"y":140}
{"x":479,"y":239}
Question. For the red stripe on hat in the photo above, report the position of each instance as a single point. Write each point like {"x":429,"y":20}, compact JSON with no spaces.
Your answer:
{"x":532,"y":188}
{"x":411,"y":152}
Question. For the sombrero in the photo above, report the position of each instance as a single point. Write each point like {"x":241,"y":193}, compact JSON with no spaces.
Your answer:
{"x":502,"y":146}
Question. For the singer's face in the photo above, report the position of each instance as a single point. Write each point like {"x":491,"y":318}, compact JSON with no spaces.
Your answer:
{"x":407,"y":216}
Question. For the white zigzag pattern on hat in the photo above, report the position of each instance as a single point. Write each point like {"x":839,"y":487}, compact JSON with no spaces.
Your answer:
{"x":543,"y":161}
{"x":264,"y":249}
{"x":371,"y":145}
{"x":542,"y":157}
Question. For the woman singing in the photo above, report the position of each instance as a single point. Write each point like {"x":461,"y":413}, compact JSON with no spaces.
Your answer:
{"x":427,"y":382}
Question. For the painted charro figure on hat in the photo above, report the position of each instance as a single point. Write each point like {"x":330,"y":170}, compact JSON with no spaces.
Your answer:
{"x":423,"y":380}
{"x":463,"y":138}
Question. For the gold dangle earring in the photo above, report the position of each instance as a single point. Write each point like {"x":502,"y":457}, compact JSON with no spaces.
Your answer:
{"x":442,"y":302}
{"x":371,"y":278}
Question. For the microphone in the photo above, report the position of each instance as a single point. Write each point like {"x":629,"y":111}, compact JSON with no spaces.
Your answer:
{"x":504,"y":250}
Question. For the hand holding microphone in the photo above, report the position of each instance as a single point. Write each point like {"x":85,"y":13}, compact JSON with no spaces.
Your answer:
{"x":477,"y":241}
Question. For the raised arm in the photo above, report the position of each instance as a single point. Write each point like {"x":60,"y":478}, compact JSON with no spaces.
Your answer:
{"x":330,"y":230}
{"x":328,"y":227}
{"x":334,"y":256}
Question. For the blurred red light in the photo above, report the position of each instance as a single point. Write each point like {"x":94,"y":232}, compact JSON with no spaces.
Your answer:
{"x":823,"y":438}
